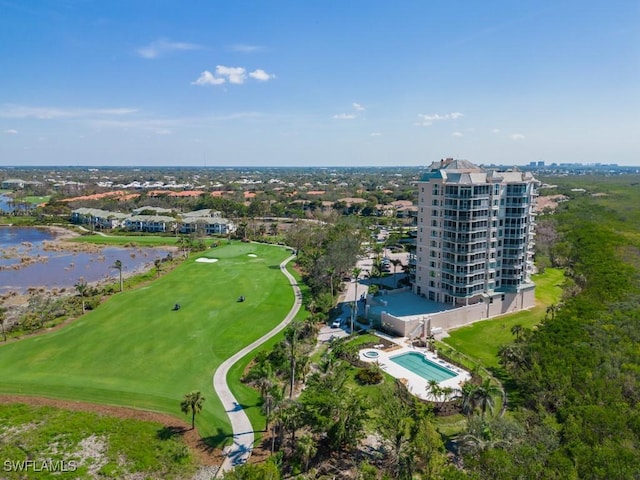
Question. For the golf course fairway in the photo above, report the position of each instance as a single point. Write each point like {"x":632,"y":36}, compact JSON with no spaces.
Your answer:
{"x":134,"y":350}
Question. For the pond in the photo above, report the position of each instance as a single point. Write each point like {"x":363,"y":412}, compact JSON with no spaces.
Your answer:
{"x":30,"y":259}
{"x":5,"y":204}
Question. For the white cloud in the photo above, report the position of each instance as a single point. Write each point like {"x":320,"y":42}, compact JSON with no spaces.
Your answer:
{"x":242,"y":48}
{"x":49,"y":113}
{"x":516,"y":137}
{"x":456,"y":134}
{"x":161,"y":46}
{"x":163,"y":131}
{"x":207,"y":78}
{"x":495,"y":130}
{"x":357,"y":107}
{"x":428,"y":120}
{"x":375,"y":134}
{"x":234,"y":75}
{"x":261,"y":75}
{"x":11,"y":131}
{"x":344,"y":116}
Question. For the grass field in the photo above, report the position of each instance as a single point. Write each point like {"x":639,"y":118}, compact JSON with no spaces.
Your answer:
{"x":135,"y":351}
{"x":98,"y":445}
{"x":482,"y":340}
{"x":133,"y":240}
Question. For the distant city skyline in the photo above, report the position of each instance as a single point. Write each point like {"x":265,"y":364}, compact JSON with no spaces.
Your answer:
{"x":334,"y":83}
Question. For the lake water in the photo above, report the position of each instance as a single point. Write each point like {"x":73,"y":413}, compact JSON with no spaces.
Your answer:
{"x":5,"y":204}
{"x":25,"y":261}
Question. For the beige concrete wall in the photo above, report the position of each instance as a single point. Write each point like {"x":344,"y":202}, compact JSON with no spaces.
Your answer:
{"x":458,"y":317}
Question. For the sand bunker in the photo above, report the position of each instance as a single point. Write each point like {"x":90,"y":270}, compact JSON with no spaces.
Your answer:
{"x":206,"y":260}
{"x":252,"y":255}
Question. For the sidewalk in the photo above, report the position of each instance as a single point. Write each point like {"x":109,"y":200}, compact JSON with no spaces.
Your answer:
{"x":243,"y":438}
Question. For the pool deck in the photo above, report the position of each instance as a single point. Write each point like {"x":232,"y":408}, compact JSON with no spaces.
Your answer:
{"x":417,"y":385}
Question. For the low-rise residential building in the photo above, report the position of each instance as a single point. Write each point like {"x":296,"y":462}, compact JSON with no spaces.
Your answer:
{"x":101,"y":219}
{"x":150,"y":223}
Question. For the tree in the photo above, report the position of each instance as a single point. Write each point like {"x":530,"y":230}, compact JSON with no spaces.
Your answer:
{"x":355,"y":273}
{"x":158,"y":264}
{"x":263,"y":471}
{"x":518,"y":331}
{"x":396,"y":263}
{"x":307,"y":449}
{"x":395,"y":419}
{"x":82,"y":288}
{"x":435,"y":390}
{"x":291,"y":335}
{"x":3,"y":312}
{"x":467,"y":398}
{"x":483,"y":394}
{"x":118,"y":266}
{"x":192,"y":403}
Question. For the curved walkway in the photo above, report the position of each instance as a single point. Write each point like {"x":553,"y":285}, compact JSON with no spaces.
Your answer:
{"x":243,"y":437}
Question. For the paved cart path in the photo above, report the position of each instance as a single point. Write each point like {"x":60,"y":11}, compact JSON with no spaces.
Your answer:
{"x":243,"y":437}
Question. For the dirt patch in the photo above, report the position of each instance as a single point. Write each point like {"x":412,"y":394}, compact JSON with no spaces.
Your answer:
{"x":550,"y":202}
{"x":191,"y":438}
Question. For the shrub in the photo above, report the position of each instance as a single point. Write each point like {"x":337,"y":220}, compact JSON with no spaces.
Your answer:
{"x":369,"y":376}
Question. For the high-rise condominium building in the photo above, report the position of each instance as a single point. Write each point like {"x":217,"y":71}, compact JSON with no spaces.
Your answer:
{"x":475,"y":236}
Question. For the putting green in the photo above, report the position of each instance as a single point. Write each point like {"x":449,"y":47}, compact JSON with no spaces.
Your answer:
{"x":134,"y":350}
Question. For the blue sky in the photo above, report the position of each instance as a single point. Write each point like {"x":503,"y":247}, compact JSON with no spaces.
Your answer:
{"x":318,"y":83}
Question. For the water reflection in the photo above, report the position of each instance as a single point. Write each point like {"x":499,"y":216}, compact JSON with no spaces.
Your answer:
{"x":27,"y":260}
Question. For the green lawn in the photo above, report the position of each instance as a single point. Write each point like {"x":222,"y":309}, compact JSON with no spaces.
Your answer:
{"x":144,"y":240}
{"x":145,"y":449}
{"x":37,"y":200}
{"x":482,"y":340}
{"x":135,"y":351}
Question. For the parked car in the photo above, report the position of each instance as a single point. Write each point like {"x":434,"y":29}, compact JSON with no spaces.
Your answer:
{"x":337,"y":323}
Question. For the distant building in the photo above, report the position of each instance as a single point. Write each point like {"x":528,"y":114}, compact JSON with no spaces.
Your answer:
{"x":150,"y":223}
{"x":475,"y":237}
{"x":15,"y":183}
{"x":206,"y":222}
{"x":101,"y":219}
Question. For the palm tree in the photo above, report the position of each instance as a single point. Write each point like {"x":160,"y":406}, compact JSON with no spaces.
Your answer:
{"x":434,"y":389}
{"x":517,"y":331}
{"x":82,"y":287}
{"x":467,"y":398}
{"x":512,"y":357}
{"x":3,"y":312}
{"x":482,"y":396}
{"x":291,"y":335}
{"x":331,"y":271}
{"x":192,"y":402}
{"x":118,"y":266}
{"x":396,"y":262}
{"x":378,"y":249}
{"x":307,"y":449}
{"x":355,"y":273}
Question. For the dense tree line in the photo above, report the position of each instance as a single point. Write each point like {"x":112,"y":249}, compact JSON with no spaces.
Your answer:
{"x":577,"y":374}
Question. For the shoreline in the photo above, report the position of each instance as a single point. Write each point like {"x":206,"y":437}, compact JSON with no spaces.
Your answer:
{"x":18,"y":298}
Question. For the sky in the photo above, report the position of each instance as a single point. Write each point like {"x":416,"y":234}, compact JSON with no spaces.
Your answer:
{"x":318,"y":83}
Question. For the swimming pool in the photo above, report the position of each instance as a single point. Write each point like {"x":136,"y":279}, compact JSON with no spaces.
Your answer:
{"x":416,"y":363}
